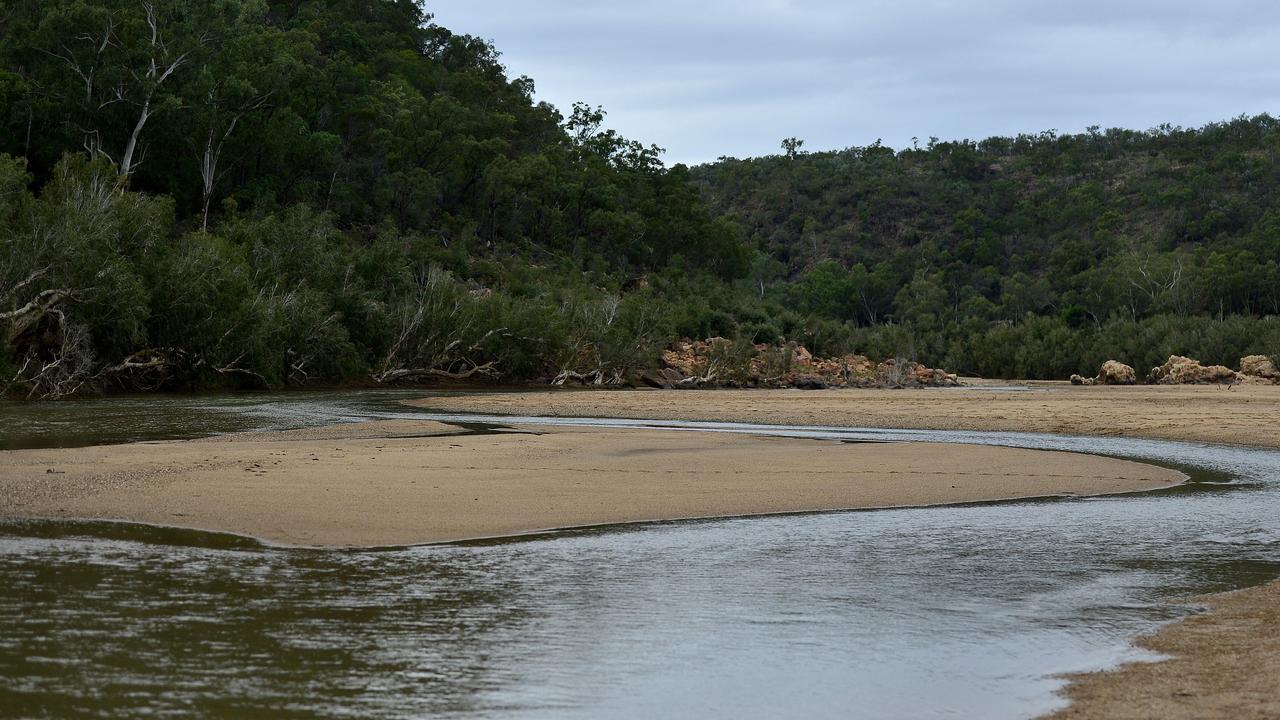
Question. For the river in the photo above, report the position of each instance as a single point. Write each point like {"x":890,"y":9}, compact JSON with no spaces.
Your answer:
{"x":963,"y":611}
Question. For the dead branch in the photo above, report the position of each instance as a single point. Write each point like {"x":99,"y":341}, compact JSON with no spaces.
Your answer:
{"x":488,"y":369}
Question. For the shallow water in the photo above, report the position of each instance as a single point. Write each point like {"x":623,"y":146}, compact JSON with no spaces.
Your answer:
{"x":939,"y":612}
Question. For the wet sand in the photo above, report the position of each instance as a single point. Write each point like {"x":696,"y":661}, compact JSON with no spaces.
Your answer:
{"x":1245,"y":415}
{"x":1226,"y":664}
{"x":401,"y":483}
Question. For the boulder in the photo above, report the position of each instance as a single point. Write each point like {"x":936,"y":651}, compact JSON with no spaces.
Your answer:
{"x":801,"y":356}
{"x":671,"y":377}
{"x":1179,"y":370}
{"x":1116,"y":373}
{"x":1259,"y":366}
{"x":1082,"y":380}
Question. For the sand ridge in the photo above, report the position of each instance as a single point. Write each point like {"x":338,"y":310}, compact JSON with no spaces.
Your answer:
{"x":1245,"y":415}
{"x":340,"y":487}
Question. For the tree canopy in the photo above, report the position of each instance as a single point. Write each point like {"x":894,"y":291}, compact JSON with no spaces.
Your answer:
{"x":283,"y":192}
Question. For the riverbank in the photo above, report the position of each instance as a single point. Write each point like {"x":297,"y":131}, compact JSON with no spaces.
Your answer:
{"x":408,"y":482}
{"x":1224,"y":662}
{"x":1245,"y":415}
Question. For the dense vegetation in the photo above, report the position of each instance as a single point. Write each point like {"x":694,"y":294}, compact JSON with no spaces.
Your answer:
{"x":267,"y":192}
{"x":289,"y":192}
{"x":1034,"y":256}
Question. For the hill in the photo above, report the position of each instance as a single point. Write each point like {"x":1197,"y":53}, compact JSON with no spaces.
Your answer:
{"x":242,"y":193}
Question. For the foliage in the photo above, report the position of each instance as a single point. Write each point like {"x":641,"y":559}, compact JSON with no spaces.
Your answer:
{"x":256,"y":193}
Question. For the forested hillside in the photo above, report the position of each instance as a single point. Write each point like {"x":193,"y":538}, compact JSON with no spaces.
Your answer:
{"x":1034,"y":255}
{"x":261,"y":193}
{"x":258,"y":193}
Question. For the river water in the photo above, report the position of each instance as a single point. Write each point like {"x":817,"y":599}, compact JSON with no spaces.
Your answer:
{"x":965,"y":611}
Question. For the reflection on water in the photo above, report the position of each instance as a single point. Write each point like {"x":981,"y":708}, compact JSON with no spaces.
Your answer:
{"x":136,"y":418}
{"x":941,"y":612}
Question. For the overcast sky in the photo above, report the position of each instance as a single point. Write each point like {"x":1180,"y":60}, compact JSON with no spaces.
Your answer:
{"x":706,"y":78}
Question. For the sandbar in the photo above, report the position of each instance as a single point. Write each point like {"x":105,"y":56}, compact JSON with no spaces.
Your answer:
{"x":364,"y":485}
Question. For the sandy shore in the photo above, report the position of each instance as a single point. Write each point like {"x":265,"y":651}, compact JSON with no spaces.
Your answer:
{"x":1243,"y":416}
{"x":406,"y":482}
{"x":1226,"y":664}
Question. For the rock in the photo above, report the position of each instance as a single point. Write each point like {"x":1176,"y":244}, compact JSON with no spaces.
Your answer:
{"x":717,"y":362}
{"x":809,"y":382}
{"x":683,"y":357}
{"x":891,"y":373}
{"x":644,"y":379}
{"x":671,"y":376}
{"x":1259,"y":366}
{"x":1116,"y":373}
{"x":1179,"y":370}
{"x":1111,"y":373}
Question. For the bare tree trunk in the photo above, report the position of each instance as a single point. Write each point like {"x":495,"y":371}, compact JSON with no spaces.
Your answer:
{"x":126,"y":160}
{"x":208,"y":176}
{"x":157,"y":73}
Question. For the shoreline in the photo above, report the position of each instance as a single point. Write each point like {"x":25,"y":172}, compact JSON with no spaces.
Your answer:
{"x":1222,"y":662}
{"x":1203,"y":414}
{"x":1215,"y":668}
{"x":399,"y":483}
{"x":1187,"y":413}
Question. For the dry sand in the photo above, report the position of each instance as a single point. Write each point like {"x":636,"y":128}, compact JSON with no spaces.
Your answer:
{"x":339,"y":486}
{"x":1245,"y":415}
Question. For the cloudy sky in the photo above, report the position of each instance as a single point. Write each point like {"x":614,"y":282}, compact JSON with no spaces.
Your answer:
{"x":706,"y":78}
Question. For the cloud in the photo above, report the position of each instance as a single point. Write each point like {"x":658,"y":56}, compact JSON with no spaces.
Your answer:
{"x":719,"y":78}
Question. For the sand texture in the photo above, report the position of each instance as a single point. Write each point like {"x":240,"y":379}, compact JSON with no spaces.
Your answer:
{"x":1245,"y":415}
{"x":1226,"y":664}
{"x":338,"y":487}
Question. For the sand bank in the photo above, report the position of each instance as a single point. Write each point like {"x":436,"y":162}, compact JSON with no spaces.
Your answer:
{"x":1225,"y":665}
{"x":1245,"y":415}
{"x":422,"y":482}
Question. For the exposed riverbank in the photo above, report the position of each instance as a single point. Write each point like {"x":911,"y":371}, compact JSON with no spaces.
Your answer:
{"x":1245,"y":415}
{"x":407,"y":482}
{"x":1224,"y":665}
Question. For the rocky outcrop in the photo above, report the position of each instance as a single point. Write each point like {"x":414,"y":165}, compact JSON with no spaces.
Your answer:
{"x":1111,"y":373}
{"x":1116,"y":373}
{"x":718,"y":362}
{"x":1259,"y":368}
{"x":895,"y":373}
{"x":1179,"y":370}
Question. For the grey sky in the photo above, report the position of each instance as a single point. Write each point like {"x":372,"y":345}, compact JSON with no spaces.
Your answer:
{"x":705,"y":78}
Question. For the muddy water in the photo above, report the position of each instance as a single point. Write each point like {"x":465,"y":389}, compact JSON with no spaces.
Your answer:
{"x":942,"y":612}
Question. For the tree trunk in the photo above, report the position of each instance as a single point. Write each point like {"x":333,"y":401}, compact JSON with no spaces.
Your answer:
{"x":126,"y":161}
